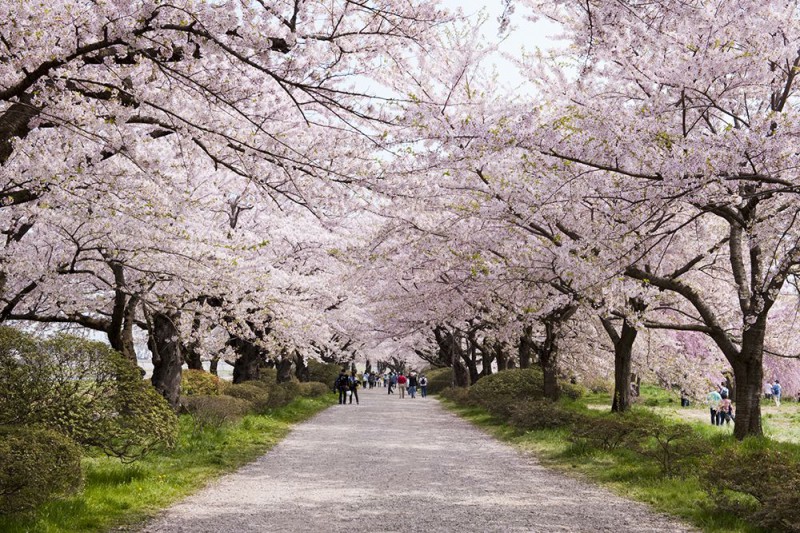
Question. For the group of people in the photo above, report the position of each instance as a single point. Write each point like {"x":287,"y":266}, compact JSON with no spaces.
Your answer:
{"x":408,"y":383}
{"x":773,"y":390}
{"x":347,"y":385}
{"x":719,"y":402}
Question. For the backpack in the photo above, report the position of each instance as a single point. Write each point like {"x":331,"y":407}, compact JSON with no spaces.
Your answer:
{"x":423,"y":382}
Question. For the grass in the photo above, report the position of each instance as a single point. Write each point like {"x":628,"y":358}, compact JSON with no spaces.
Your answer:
{"x":118,"y":495}
{"x":620,"y":470}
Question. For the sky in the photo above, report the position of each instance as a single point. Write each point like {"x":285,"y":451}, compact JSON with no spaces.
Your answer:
{"x":523,"y":34}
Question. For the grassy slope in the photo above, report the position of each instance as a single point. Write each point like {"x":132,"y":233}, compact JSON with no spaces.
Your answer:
{"x":119,"y":494}
{"x":624,"y":472}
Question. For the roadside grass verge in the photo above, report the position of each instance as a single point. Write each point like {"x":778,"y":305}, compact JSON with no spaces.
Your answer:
{"x":621,"y":470}
{"x":118,"y":494}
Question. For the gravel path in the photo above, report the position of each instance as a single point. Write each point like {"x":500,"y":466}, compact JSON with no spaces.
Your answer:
{"x":401,"y":465}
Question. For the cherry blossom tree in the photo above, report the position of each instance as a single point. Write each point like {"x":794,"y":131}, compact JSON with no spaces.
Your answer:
{"x":692,"y":111}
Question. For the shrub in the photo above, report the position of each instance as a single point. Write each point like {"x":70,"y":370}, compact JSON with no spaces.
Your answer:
{"x":283,"y":393}
{"x":541,"y":414}
{"x":199,"y":382}
{"x":322,"y":372}
{"x":458,"y":395}
{"x":598,"y":385}
{"x":313,"y":389}
{"x":676,"y":448}
{"x":138,"y":420}
{"x":36,"y":465}
{"x":757,"y":484}
{"x":499,"y":392}
{"x":439,"y":380}
{"x":268,"y":375}
{"x":612,"y":431}
{"x":573,"y":392}
{"x":260,"y":383}
{"x":256,"y":395}
{"x":292,"y":389}
{"x":278,"y":397}
{"x":84,"y":390}
{"x":215,"y":410}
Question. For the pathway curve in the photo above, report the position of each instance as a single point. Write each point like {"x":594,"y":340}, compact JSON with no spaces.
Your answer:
{"x":401,"y":466}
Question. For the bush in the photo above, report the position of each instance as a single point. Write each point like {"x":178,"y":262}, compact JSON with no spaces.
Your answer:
{"x":313,"y":389}
{"x":199,"y":382}
{"x":255,"y":394}
{"x":677,"y":448}
{"x":84,"y":390}
{"x":573,"y":392}
{"x":323,"y":372}
{"x":613,"y":430}
{"x":292,"y":389}
{"x":458,"y":395}
{"x":541,"y":414}
{"x":598,"y":385}
{"x":278,"y":397}
{"x":284,"y":393}
{"x":36,"y":465}
{"x":498,"y":393}
{"x":439,"y":380}
{"x":758,"y":484}
{"x":215,"y":410}
{"x":268,"y":375}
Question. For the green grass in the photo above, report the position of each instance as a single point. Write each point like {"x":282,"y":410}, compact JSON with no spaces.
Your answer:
{"x":118,"y":494}
{"x":620,"y":470}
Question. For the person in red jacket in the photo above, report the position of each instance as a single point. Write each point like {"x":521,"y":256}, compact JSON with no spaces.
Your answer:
{"x":402,"y":381}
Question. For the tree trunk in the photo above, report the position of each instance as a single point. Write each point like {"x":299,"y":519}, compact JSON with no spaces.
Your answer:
{"x":471,"y":362}
{"x":550,"y":373}
{"x":623,"y":350}
{"x":301,"y":368}
{"x":166,"y":349}
{"x":548,"y":351}
{"x":214,"y":365}
{"x":525,"y":347}
{"x":284,"y":367}
{"x":748,"y":374}
{"x":191,"y":352}
{"x":120,"y":329}
{"x":247,"y":366}
{"x":193,"y":360}
{"x":461,"y":375}
{"x":486,"y":360}
{"x":501,"y":356}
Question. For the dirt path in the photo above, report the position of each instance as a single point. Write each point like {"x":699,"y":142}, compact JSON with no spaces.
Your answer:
{"x":401,"y":465}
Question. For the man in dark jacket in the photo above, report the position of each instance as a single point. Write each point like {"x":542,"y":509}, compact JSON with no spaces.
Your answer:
{"x":342,"y":385}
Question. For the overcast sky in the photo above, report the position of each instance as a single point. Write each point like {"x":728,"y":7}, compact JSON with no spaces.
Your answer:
{"x":523,"y":34}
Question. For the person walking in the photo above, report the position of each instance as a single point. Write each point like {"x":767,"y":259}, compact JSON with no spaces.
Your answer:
{"x":725,"y":413}
{"x":353,"y":385}
{"x":412,"y":385}
{"x":402,"y":381}
{"x":342,"y":385}
{"x":684,"y":398}
{"x":423,"y":386}
{"x":713,"y":400}
{"x":776,"y":393}
{"x":392,"y":382}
